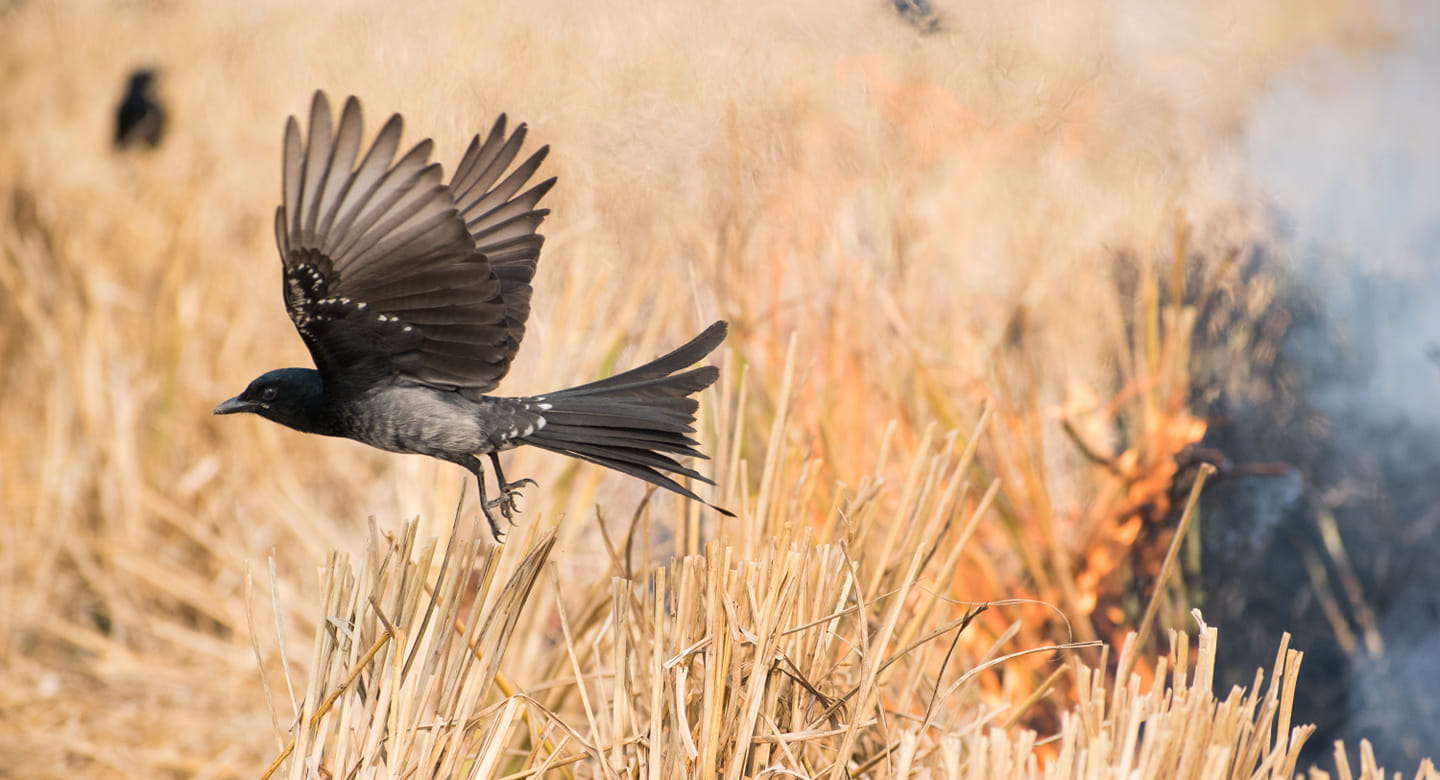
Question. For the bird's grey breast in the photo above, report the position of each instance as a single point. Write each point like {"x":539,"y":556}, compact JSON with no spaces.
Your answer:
{"x":420,"y":419}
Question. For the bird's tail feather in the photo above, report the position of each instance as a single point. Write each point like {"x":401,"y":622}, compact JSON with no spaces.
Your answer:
{"x":635,"y":421}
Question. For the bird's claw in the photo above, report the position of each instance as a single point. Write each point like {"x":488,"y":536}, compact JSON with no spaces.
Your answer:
{"x":505,"y":502}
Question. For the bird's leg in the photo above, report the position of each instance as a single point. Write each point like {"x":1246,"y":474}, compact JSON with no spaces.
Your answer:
{"x":509,"y":491}
{"x":472,"y":464}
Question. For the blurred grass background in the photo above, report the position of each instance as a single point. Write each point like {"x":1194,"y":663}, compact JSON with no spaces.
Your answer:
{"x":987,"y":215}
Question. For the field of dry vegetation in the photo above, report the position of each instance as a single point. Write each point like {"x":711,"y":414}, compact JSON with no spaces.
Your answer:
{"x":961,"y":261}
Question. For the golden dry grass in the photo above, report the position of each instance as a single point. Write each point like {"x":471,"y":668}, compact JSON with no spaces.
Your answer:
{"x":775,"y":664}
{"x":903,"y":229}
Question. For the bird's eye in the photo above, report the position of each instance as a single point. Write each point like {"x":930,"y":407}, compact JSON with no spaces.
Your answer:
{"x":268,"y":394}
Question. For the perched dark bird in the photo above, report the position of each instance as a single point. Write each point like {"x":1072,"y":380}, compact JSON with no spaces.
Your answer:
{"x":412,"y":296}
{"x":140,"y":118}
{"x":919,"y":13}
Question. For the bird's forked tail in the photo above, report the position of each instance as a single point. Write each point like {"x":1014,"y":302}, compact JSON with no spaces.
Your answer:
{"x":634,"y":422}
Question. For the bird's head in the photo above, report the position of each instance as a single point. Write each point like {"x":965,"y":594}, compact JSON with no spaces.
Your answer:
{"x":293,"y":397}
{"x":142,"y":81}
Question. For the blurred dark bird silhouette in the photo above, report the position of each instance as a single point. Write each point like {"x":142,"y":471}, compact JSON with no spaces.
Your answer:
{"x":919,"y":13}
{"x":140,"y":117}
{"x":412,"y":296}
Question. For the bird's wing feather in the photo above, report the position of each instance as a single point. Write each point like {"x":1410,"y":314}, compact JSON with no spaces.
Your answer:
{"x":382,"y":276}
{"x":501,"y":223}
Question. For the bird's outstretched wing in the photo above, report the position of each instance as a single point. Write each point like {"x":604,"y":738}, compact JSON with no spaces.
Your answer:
{"x":382,"y":278}
{"x":501,"y":223}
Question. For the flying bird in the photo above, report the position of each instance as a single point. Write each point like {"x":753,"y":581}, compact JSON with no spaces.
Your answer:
{"x":412,"y":296}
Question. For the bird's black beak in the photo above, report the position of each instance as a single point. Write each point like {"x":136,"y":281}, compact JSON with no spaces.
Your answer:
{"x":236,"y":404}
